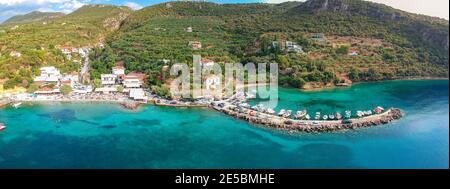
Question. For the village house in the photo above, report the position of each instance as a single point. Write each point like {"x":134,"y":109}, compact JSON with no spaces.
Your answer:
{"x":138,"y":94}
{"x":319,"y":37}
{"x":118,"y":70}
{"x":133,"y":80}
{"x":353,"y":53}
{"x":48,"y":91}
{"x":293,"y":47}
{"x":206,"y":62}
{"x":195,"y":45}
{"x":108,"y":79}
{"x":48,"y":74}
{"x":15,"y":54}
{"x":189,"y":29}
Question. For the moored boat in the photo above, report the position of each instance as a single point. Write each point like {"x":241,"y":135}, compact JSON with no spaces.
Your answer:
{"x":348,"y":114}
{"x":331,"y":117}
{"x":300,"y":114}
{"x":17,"y":105}
{"x":270,"y":111}
{"x":325,"y":117}
{"x":317,"y":117}
{"x":359,"y":113}
{"x":307,"y":117}
{"x":378,"y":110}
{"x":288,"y":113}
{"x":338,"y":115}
{"x":2,"y":127}
{"x":282,"y":112}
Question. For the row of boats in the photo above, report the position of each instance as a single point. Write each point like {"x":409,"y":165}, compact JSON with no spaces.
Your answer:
{"x":303,"y":114}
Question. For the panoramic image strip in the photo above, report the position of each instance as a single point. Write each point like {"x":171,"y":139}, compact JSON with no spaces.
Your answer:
{"x":233,"y":84}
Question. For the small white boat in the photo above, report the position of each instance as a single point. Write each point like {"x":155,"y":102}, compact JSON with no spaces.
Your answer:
{"x":317,"y":117}
{"x":348,"y":114}
{"x":307,"y":117}
{"x":338,"y":115}
{"x":270,"y":111}
{"x":16,"y":105}
{"x":300,"y":114}
{"x":360,"y":113}
{"x":282,"y":112}
{"x":331,"y":117}
{"x":325,"y":117}
{"x":2,"y":127}
{"x":288,"y":113}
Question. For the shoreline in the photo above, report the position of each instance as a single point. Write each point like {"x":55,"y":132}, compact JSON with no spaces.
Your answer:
{"x":316,"y":126}
{"x":360,"y":82}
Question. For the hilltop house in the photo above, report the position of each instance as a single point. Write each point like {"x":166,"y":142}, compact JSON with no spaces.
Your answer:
{"x":353,"y":53}
{"x":118,"y":70}
{"x":206,"y":62}
{"x":319,"y":37}
{"x":293,"y":47}
{"x":15,"y":54}
{"x":189,"y":29}
{"x":195,"y":45}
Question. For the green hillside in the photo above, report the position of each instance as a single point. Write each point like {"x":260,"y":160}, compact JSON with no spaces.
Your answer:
{"x":38,"y":42}
{"x":391,"y":43}
{"x":34,"y":16}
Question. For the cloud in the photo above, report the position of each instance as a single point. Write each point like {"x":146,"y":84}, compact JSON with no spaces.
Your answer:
{"x":9,"y":8}
{"x":133,"y":5}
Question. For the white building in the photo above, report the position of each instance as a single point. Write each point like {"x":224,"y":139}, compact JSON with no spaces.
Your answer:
{"x":293,"y":47}
{"x":118,"y":70}
{"x":48,"y":74}
{"x":108,"y":79}
{"x":138,"y":94}
{"x":132,"y":82}
{"x":15,"y":54}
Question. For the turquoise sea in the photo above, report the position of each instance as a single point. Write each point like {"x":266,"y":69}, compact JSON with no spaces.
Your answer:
{"x":64,"y":135}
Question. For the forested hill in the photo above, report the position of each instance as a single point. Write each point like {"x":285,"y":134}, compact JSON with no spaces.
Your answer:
{"x":389,"y":43}
{"x":359,"y":40}
{"x":34,"y":16}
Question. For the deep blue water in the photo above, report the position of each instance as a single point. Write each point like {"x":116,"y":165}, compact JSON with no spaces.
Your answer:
{"x":107,"y":136}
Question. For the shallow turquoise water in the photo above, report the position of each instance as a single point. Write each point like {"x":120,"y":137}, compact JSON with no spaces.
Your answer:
{"x":107,"y":136}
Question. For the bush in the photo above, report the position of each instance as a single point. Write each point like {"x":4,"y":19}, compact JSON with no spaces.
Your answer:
{"x":66,"y":89}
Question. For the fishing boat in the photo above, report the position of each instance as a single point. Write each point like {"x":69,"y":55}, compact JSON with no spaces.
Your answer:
{"x":16,"y":105}
{"x":288,"y":113}
{"x":307,"y":117}
{"x":317,"y":117}
{"x":348,"y":114}
{"x":360,"y":113}
{"x":2,"y":127}
{"x":300,"y":114}
{"x":244,"y":105}
{"x":270,"y":111}
{"x":325,"y":117}
{"x":378,"y":110}
{"x":282,"y":112}
{"x":331,"y":117}
{"x":338,"y":115}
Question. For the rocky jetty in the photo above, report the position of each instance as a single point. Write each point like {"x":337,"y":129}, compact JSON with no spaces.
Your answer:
{"x":132,"y":105}
{"x":314,"y":125}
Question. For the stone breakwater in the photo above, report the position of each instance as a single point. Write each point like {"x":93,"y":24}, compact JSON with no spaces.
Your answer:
{"x":316,"y":125}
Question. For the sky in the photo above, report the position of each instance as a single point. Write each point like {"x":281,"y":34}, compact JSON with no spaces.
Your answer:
{"x":9,"y":8}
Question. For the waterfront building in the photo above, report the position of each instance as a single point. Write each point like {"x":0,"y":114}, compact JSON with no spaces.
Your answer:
{"x":48,"y":74}
{"x":133,"y":80}
{"x":108,"y":79}
{"x":138,"y":94}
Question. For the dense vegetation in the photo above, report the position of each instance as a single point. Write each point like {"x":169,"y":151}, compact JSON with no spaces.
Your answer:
{"x":390,"y":43}
{"x":244,"y":33}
